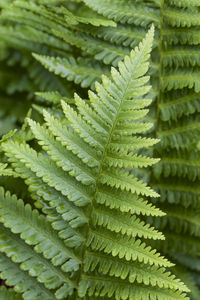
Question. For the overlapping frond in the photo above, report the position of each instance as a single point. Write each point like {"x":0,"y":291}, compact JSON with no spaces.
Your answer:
{"x":80,"y":71}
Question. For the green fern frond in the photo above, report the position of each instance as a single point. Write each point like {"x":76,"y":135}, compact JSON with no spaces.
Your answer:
{"x":28,"y":287}
{"x":73,"y":148}
{"x":34,"y":263}
{"x":121,"y":289}
{"x":179,"y":193}
{"x":151,"y":275}
{"x":127,"y":36}
{"x":54,"y":97}
{"x":4,"y":171}
{"x":181,"y":36}
{"x":181,"y":57}
{"x":180,"y":80}
{"x":44,"y":239}
{"x":90,"y":201}
{"x":181,"y":167}
{"x":184,"y":18}
{"x":184,"y":3}
{"x":80,"y":71}
{"x":126,"y":202}
{"x":173,"y":108}
{"x":124,"y":12}
{"x":102,"y":51}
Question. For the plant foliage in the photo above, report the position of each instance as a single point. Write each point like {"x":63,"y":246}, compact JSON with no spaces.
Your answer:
{"x":63,"y":46}
{"x":88,"y":245}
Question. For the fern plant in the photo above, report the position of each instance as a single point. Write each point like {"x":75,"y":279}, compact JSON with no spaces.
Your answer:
{"x":88,"y":243}
{"x":175,"y":80}
{"x":66,"y":40}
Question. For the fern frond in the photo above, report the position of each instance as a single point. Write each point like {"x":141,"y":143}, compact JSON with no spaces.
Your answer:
{"x":125,"y":181}
{"x":24,"y":37}
{"x":80,"y":177}
{"x":129,"y":225}
{"x":121,"y":289}
{"x":181,"y":57}
{"x":28,"y":287}
{"x":174,"y":108}
{"x":78,"y":71}
{"x":30,"y":261}
{"x":125,"y":12}
{"x":70,"y":213}
{"x":54,"y":97}
{"x":183,"y":18}
{"x":4,"y":171}
{"x":72,"y":141}
{"x":125,"y":247}
{"x":127,"y":36}
{"x":126,"y":202}
{"x":181,"y":36}
{"x":122,"y":269}
{"x":124,"y":159}
{"x":102,"y":51}
{"x":55,"y":177}
{"x":182,"y":136}
{"x":180,"y":167}
{"x":179,"y":193}
{"x":37,"y":232}
{"x":184,"y":3}
{"x":180,"y":80}
{"x":63,"y":158}
{"x":74,"y":19}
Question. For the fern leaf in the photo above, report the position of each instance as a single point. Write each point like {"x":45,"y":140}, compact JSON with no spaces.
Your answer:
{"x":37,"y":232}
{"x":54,"y":97}
{"x":177,"y":107}
{"x":181,"y":57}
{"x":101,"y":51}
{"x":125,"y":247}
{"x":181,"y":80}
{"x":72,"y":141}
{"x":129,"y":225}
{"x":63,"y":158}
{"x":184,"y":3}
{"x":181,"y":36}
{"x":87,"y":205}
{"x":122,"y":269}
{"x":37,"y":266}
{"x":4,"y":171}
{"x":29,"y":287}
{"x":74,"y":19}
{"x":56,"y":178}
{"x":182,"y":136}
{"x":120,"y":35}
{"x":73,"y":215}
{"x":77,"y":71}
{"x":123,"y":159}
{"x":127,"y":182}
{"x":124,"y":12}
{"x":125,"y":143}
{"x":179,"y":193}
{"x":180,"y":167}
{"x":120,"y":289}
{"x":126,"y":202}
{"x":175,"y":17}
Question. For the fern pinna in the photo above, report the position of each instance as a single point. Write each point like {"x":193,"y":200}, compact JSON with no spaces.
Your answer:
{"x":89,"y":241}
